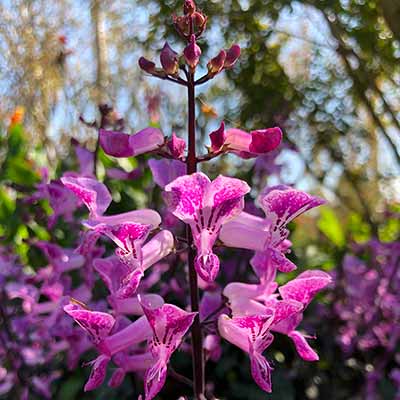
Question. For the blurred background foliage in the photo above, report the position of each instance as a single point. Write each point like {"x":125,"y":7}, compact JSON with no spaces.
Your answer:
{"x":326,"y":71}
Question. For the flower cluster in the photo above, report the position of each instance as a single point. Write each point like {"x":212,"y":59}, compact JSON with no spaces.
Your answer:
{"x":369,"y":311}
{"x":140,"y":257}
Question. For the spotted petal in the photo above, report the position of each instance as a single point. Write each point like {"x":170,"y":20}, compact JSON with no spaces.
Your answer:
{"x":184,"y":196}
{"x":97,"y":324}
{"x":303,"y":348}
{"x":92,"y":193}
{"x":305,"y":286}
{"x":281,"y":205}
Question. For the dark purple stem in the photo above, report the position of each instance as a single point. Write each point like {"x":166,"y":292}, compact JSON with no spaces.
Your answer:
{"x":191,"y":167}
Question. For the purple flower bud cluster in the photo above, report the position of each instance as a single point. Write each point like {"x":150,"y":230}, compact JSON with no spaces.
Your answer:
{"x":369,"y":310}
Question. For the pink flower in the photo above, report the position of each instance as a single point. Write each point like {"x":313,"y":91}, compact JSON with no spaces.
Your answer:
{"x":232,"y":55}
{"x":205,"y":206}
{"x":169,"y":325}
{"x":118,"y":144}
{"x":281,"y":204}
{"x":252,"y":335}
{"x":243,"y":144}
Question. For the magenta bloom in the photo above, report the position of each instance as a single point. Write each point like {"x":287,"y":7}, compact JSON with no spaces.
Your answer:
{"x":243,"y":144}
{"x":169,"y":325}
{"x":176,"y":146}
{"x":281,"y":204}
{"x":252,"y":335}
{"x":205,"y":206}
{"x":118,"y":144}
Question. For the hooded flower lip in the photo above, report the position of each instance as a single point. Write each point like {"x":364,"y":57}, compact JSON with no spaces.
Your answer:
{"x":281,"y":204}
{"x":122,"y":274}
{"x":119,"y":144}
{"x":169,"y":325}
{"x":97,"y":198}
{"x":205,"y":206}
{"x":97,"y":324}
{"x":244,"y":144}
{"x":252,"y":335}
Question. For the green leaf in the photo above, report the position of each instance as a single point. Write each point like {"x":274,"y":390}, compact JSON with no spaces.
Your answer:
{"x":330,"y":226}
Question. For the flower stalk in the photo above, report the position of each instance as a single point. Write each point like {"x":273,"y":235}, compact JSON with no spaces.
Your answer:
{"x":191,"y":167}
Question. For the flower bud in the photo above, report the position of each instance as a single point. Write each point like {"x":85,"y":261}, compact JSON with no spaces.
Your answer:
{"x":192,"y":53}
{"x":169,"y":60}
{"x":216,"y":64}
{"x":147,"y":65}
{"x":176,"y":146}
{"x":232,"y":56}
{"x":182,"y":25}
{"x":189,"y":7}
{"x":199,"y":22}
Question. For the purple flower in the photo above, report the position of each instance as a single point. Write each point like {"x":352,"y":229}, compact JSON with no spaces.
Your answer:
{"x":169,"y":324}
{"x":281,"y":204}
{"x":169,"y":60}
{"x":243,"y":144}
{"x":205,"y":206}
{"x":118,"y":144}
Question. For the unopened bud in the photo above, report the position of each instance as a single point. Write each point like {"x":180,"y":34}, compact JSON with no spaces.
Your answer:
{"x":232,"y":56}
{"x":189,"y":7}
{"x":147,"y":65}
{"x":169,"y":60}
{"x":199,"y":22}
{"x":182,"y":25}
{"x":192,"y":53}
{"x":216,"y":64}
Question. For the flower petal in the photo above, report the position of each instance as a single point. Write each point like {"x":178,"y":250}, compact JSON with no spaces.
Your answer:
{"x":165,"y":171}
{"x":305,"y":286}
{"x":146,"y":140}
{"x":303,"y":348}
{"x":184,"y":196}
{"x":154,"y":379}
{"x":218,"y":138}
{"x":265,"y":140}
{"x":115,"y":144}
{"x":92,"y":193}
{"x":98,"y":373}
{"x":97,"y":324}
{"x":260,"y":370}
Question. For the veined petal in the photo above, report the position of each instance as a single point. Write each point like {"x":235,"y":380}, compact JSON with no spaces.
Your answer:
{"x":184,"y":196}
{"x":92,"y":193}
{"x":224,"y":197}
{"x":281,"y":205}
{"x":97,"y":324}
{"x":241,"y":331}
{"x":165,"y":171}
{"x":207,"y":265}
{"x":303,"y":348}
{"x":154,"y":379}
{"x":147,"y":139}
{"x":260,"y":368}
{"x":305,"y":286}
{"x":169,"y":324}
{"x":129,"y":238}
{"x":115,"y":144}
{"x":98,"y":373}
